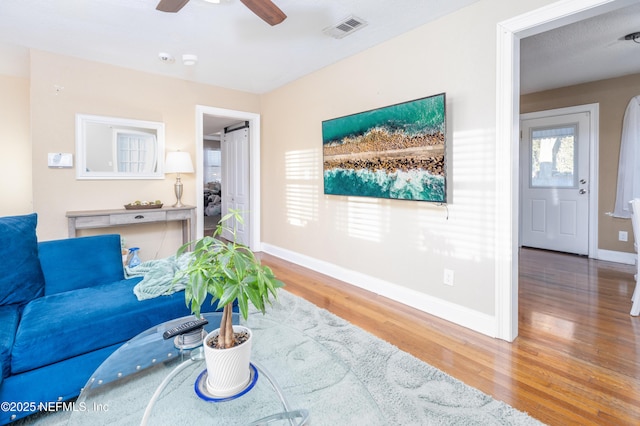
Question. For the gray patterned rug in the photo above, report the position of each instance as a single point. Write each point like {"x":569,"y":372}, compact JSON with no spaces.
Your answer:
{"x":340,"y":373}
{"x":405,"y":390}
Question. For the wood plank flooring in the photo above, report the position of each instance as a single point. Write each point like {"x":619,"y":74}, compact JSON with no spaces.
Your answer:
{"x":576,"y":360}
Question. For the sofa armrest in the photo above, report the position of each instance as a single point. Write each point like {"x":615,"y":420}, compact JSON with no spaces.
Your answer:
{"x":81,"y":262}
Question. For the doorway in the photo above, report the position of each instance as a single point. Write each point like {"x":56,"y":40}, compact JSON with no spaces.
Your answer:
{"x":226,"y":175}
{"x":219,"y":117}
{"x":558,"y":150}
{"x":506,"y":221}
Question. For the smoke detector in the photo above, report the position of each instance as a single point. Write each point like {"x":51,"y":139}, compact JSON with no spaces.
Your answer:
{"x":189,"y":59}
{"x":345,"y":27}
{"x":166,"y":57}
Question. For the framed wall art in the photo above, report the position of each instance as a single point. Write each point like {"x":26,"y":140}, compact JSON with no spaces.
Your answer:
{"x":396,"y":152}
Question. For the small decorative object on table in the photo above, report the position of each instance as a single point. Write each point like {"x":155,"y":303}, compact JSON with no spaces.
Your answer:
{"x":136,"y":205}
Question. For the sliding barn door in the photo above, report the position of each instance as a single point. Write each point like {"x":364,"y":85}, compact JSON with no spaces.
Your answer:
{"x":235,"y":178}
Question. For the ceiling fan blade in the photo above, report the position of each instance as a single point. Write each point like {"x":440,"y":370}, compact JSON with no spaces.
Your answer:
{"x":266,"y":10}
{"x":171,"y":6}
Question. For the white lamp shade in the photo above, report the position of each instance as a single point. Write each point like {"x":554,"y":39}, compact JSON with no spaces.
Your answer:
{"x":178,"y":162}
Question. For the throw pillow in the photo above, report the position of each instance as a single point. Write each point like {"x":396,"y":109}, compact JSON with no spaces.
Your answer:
{"x":21,"y":278}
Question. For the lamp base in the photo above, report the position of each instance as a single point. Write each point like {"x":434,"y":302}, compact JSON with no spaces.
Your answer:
{"x":178,"y":190}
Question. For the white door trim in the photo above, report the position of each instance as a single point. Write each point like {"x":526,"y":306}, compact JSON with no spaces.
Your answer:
{"x":594,"y":143}
{"x":509,"y":33}
{"x":254,"y":167}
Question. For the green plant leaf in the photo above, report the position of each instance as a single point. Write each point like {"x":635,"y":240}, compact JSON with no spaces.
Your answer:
{"x":228,"y":270}
{"x":243,"y":305}
{"x":257,"y":299}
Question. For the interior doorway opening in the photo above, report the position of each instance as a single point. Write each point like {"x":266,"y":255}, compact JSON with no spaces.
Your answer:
{"x":220,"y":170}
{"x":211,"y":123}
{"x":509,"y":34}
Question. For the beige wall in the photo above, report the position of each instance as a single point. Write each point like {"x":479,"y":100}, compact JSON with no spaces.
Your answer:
{"x":94,"y":88}
{"x":401,"y":247}
{"x":613,"y":95}
{"x":15,"y":144}
{"x":398,"y":248}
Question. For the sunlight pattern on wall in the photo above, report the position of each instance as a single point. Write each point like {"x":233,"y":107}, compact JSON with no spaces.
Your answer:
{"x":303,"y":186}
{"x":364,"y":218}
{"x":468,"y":234}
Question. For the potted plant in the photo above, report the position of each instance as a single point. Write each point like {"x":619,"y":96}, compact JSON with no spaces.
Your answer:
{"x":228,"y":271}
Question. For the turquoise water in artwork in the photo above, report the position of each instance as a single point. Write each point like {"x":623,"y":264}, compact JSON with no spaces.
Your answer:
{"x":412,"y":185}
{"x":390,"y":178}
{"x":422,"y":116}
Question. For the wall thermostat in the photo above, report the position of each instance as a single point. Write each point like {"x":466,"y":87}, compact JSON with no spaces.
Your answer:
{"x":60,"y":160}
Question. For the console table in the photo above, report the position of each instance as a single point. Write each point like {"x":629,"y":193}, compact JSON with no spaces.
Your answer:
{"x":88,"y":219}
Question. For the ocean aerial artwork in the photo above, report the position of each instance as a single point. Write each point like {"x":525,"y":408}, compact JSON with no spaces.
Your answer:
{"x":395,"y":152}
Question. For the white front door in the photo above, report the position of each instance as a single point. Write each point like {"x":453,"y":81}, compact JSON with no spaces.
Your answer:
{"x":235,"y":179}
{"x":554,"y":153}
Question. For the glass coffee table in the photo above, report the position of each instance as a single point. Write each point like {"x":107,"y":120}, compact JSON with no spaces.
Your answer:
{"x":149,"y":380}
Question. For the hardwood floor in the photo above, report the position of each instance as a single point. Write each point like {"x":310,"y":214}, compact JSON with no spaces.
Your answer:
{"x":575,"y":361}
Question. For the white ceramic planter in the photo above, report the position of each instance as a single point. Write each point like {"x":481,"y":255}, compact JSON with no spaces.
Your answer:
{"x":228,"y":370}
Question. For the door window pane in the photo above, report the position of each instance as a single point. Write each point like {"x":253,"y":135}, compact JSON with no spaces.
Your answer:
{"x":553,"y":157}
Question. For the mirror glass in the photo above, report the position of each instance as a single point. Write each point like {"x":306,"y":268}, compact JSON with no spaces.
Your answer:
{"x":118,"y":148}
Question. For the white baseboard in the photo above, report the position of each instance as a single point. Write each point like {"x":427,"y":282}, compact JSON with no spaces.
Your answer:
{"x":617,"y":256}
{"x":474,"y":320}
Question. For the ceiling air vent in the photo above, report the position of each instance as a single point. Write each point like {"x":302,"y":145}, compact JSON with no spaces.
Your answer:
{"x":345,"y":27}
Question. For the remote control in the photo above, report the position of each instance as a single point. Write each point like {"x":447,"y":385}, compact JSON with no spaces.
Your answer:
{"x":184,"y":328}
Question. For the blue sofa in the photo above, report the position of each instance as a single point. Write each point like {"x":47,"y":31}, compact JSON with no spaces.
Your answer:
{"x":65,"y":306}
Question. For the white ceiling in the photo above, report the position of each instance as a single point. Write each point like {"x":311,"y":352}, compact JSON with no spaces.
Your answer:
{"x":588,"y":50}
{"x":237,"y":50}
{"x":213,"y":125}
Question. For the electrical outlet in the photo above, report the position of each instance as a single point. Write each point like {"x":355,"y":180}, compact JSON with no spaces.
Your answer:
{"x":448,"y":277}
{"x":622,"y":236}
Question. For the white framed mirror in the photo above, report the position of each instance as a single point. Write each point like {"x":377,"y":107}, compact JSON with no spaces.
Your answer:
{"x":118,"y":148}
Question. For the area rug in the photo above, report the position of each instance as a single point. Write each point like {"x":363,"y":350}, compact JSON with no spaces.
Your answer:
{"x":406,"y":391}
{"x":340,"y":373}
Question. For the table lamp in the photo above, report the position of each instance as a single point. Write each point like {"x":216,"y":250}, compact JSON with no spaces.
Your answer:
{"x":178,"y":162}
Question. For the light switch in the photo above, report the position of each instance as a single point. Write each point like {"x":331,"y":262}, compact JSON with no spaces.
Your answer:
{"x":60,"y":160}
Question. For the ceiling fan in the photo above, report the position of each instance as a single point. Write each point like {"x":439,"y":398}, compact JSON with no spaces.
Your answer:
{"x":265,"y":9}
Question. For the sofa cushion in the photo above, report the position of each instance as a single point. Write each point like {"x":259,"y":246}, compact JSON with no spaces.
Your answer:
{"x":63,"y":325}
{"x":21,"y":278}
{"x":80,"y":262}
{"x":9,"y":316}
{"x":58,"y":382}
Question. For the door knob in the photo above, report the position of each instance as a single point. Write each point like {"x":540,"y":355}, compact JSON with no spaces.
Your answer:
{"x":582,"y":191}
